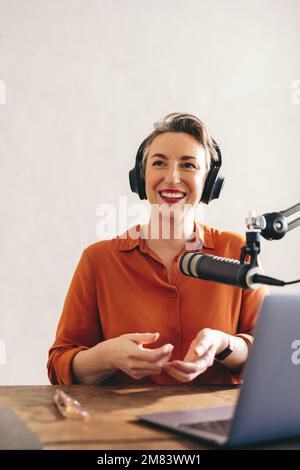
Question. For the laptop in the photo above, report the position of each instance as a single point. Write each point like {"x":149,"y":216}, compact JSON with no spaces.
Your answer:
{"x":268,"y":404}
{"x":14,"y":433}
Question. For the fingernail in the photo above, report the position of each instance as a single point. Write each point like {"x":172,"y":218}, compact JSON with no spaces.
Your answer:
{"x":169,"y":347}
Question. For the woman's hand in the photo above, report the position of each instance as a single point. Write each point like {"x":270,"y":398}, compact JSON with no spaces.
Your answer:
{"x":128,"y":354}
{"x":200,"y":356}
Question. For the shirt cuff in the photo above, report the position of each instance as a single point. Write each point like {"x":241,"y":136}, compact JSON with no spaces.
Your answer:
{"x":247,"y":338}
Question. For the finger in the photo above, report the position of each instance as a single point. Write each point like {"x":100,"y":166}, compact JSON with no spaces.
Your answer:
{"x":144,"y":373}
{"x":204,"y":344}
{"x":188,"y":367}
{"x":181,"y":376}
{"x":210,"y":357}
{"x":154,"y":355}
{"x":146,"y":370}
{"x":146,"y":367}
{"x":144,"y":338}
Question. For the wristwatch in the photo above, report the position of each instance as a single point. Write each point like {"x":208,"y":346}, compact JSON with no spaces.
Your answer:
{"x":226,"y":352}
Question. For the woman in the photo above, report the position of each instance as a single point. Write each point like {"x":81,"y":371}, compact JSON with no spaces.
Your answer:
{"x":130,"y":315}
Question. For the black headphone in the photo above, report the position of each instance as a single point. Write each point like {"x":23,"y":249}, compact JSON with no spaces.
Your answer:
{"x":213,"y":184}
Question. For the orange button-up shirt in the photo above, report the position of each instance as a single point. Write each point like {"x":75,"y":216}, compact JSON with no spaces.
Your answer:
{"x":121,"y":286}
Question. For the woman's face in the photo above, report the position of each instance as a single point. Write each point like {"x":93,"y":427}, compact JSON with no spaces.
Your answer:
{"x":176,"y":169}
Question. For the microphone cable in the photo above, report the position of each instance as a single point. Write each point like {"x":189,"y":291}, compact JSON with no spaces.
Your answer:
{"x":261,"y":279}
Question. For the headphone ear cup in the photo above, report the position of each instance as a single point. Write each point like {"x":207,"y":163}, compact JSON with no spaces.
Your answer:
{"x":132,"y":181}
{"x":213,"y":185}
{"x":136,"y":179}
{"x":140,"y":181}
{"x":214,"y":182}
{"x":217,"y":188}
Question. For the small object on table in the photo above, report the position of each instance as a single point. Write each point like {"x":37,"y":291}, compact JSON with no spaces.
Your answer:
{"x":69,"y":407}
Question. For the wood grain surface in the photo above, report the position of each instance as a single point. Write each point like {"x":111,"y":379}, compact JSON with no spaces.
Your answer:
{"x":113,"y":410}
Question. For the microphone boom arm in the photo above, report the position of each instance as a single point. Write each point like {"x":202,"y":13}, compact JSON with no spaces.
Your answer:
{"x":271,"y":225}
{"x":274,"y":225}
{"x":292,"y":210}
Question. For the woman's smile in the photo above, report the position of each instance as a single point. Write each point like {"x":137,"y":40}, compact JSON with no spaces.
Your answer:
{"x":172,"y":196}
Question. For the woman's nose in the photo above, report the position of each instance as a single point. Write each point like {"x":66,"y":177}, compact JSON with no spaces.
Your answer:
{"x":172,"y":176}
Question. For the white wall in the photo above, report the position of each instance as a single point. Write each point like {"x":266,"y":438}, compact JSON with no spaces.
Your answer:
{"x":84,"y":83}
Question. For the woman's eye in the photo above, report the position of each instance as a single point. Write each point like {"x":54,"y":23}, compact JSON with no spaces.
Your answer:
{"x":188,"y":163}
{"x":158,"y":163}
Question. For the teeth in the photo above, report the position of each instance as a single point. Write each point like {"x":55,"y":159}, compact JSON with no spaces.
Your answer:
{"x":172,"y":195}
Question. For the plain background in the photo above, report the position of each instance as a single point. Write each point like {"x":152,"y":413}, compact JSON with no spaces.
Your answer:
{"x":85,"y":81}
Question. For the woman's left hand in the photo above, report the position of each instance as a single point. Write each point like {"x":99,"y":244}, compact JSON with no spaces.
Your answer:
{"x":200,"y":356}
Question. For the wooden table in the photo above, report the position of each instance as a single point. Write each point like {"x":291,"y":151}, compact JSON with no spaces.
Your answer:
{"x":113,"y":410}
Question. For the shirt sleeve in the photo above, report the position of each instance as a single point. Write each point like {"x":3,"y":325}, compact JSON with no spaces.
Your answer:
{"x":250,"y":307}
{"x":79,"y":326}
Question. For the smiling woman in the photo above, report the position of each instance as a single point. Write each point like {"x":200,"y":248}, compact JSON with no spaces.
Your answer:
{"x":128,"y":292}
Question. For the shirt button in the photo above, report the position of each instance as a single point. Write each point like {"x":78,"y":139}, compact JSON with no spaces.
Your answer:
{"x":174,"y":295}
{"x":175,"y":332}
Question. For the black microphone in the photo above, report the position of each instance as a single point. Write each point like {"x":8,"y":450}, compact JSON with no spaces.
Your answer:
{"x":223,"y":270}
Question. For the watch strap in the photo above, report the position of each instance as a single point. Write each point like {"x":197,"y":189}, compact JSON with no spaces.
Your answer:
{"x":225,"y":353}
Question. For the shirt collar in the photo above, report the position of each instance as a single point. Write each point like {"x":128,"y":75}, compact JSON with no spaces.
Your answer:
{"x":131,"y":238}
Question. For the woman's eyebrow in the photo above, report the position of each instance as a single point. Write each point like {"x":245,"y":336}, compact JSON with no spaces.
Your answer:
{"x":184,"y":157}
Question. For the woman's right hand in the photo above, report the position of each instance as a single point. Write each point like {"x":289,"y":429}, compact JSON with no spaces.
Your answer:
{"x":129,"y":355}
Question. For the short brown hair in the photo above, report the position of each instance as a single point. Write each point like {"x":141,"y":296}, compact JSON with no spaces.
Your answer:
{"x":181,"y":122}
